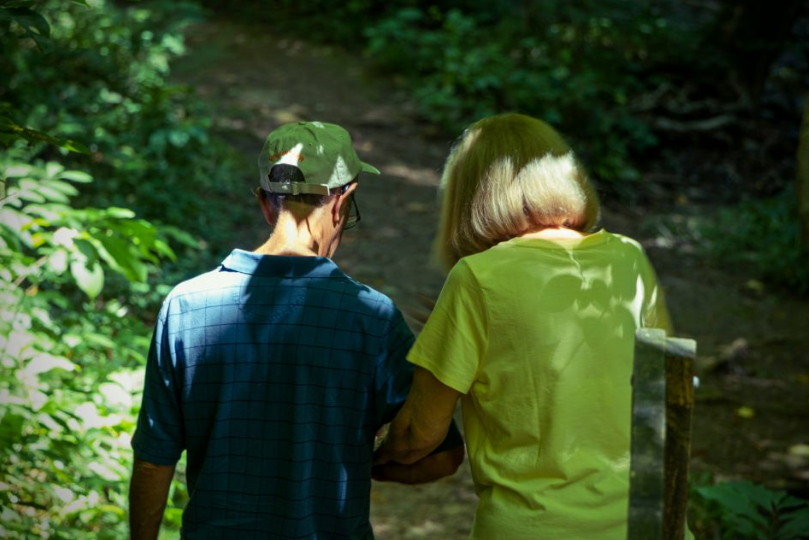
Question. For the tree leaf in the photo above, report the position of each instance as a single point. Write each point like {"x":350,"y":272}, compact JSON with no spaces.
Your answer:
{"x":77,"y":176}
{"x":57,"y":262}
{"x":121,"y":257}
{"x":11,"y":130}
{"x":28,"y":19}
{"x":180,"y":236}
{"x":33,"y":24}
{"x":90,"y":280}
{"x":43,"y":362}
{"x":120,"y":213}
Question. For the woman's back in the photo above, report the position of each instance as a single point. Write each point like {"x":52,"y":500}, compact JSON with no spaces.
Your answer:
{"x":542,"y":333}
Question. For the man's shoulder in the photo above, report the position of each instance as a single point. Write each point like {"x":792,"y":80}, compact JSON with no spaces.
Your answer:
{"x":368,"y":296}
{"x":197,"y":289}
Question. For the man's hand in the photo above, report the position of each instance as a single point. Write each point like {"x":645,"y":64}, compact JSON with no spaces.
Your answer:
{"x":147,"y":498}
{"x":427,"y":469}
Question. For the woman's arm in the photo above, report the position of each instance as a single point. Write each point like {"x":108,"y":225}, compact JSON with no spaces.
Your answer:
{"x":422,"y":423}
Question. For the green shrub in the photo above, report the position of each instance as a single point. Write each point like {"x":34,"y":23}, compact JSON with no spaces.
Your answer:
{"x":104,"y":81}
{"x":71,"y":355}
{"x":748,"y":511}
{"x":81,"y":98}
{"x":577,"y":69}
{"x":762,"y":235}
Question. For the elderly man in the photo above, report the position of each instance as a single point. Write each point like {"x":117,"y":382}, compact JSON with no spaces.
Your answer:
{"x":275,"y":371}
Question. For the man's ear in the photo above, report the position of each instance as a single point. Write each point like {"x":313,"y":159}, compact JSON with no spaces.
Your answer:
{"x":340,"y":208}
{"x":267,"y":208}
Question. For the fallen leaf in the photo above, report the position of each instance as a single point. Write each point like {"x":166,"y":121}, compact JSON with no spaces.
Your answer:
{"x":745,"y":412}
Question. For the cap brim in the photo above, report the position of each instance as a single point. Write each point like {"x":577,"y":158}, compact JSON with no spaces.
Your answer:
{"x":368,"y":168}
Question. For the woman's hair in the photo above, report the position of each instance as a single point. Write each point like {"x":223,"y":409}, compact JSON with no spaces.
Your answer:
{"x":506,"y":176}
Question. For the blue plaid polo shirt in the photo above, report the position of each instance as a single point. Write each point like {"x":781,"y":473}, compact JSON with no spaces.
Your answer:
{"x":273,"y":374}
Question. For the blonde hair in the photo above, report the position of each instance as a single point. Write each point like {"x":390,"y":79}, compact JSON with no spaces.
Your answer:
{"x":509,"y":175}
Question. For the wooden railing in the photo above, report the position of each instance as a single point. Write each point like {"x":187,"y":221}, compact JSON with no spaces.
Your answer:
{"x":662,"y":401}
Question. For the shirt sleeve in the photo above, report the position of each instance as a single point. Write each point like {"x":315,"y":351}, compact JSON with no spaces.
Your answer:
{"x":394,"y":374}
{"x":159,"y":436}
{"x":655,"y":312}
{"x":452,"y":344}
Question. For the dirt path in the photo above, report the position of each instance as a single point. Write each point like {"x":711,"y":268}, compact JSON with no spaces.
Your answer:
{"x":753,"y":345}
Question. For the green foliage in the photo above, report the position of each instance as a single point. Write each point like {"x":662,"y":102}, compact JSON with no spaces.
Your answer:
{"x":71,"y":357}
{"x":748,"y":511}
{"x":105,"y":81}
{"x":579,"y":69}
{"x":30,"y":23}
{"x":79,"y":274}
{"x":762,"y":235}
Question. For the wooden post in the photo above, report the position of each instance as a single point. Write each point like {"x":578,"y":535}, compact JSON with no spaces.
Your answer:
{"x":679,"y":405}
{"x":647,"y":468}
{"x":662,"y":401}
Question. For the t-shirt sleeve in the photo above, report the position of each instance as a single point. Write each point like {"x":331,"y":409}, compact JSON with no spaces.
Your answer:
{"x":159,"y":437}
{"x":655,"y":312}
{"x":394,"y":374}
{"x":452,"y":344}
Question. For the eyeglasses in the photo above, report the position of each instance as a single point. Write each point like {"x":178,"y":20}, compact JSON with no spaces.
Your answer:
{"x":353,"y":214}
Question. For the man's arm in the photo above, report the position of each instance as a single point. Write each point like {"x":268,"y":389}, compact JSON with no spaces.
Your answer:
{"x":427,"y":469}
{"x":147,"y":498}
{"x":422,"y":423}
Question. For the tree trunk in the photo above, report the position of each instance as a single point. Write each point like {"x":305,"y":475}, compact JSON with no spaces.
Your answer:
{"x":803,"y":182}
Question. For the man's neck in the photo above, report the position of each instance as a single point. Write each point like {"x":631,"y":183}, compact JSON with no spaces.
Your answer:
{"x":294,"y":238}
{"x":286,"y":250}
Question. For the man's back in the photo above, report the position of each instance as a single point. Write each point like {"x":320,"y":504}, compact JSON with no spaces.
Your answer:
{"x":275,"y":374}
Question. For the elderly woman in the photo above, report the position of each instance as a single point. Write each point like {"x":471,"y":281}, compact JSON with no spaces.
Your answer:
{"x":534,"y":332}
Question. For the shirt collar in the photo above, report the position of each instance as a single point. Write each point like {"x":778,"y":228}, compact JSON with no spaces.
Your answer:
{"x":247,"y":262}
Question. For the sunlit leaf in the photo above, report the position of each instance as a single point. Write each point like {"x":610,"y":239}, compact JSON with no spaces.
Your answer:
{"x":77,"y":176}
{"x":90,"y":280}
{"x":52,"y":168}
{"x":61,"y":186}
{"x":99,"y":340}
{"x":120,"y":213}
{"x":115,"y":395}
{"x":43,"y":362}
{"x":17,"y":170}
{"x":57,"y":262}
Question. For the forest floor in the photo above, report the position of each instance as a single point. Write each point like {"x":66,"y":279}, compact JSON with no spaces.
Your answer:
{"x":751,"y":418}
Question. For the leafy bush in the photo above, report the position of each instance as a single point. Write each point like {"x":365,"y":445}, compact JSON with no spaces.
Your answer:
{"x":104,"y":81}
{"x":579,"y":69}
{"x":86,"y":97}
{"x":748,"y":511}
{"x":762,"y":235}
{"x":71,"y":358}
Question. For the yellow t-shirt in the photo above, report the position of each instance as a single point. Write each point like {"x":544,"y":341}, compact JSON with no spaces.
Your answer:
{"x":539,"y":336}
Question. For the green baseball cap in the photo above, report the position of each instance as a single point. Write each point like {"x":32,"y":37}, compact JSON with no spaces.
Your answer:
{"x":322,"y":152}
